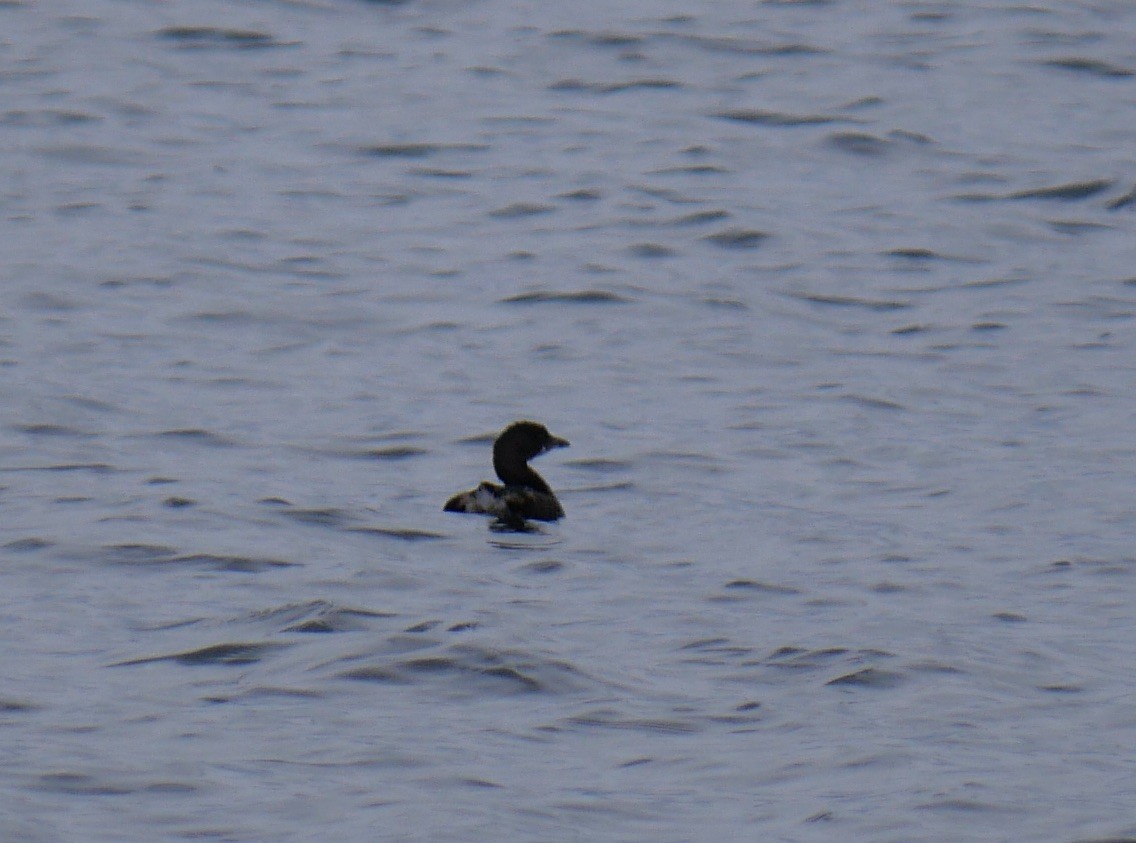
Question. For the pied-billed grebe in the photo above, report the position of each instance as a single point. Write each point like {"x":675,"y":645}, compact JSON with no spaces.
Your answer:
{"x":525,"y":495}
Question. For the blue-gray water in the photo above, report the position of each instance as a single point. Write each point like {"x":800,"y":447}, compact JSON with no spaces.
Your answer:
{"x":833,"y":299}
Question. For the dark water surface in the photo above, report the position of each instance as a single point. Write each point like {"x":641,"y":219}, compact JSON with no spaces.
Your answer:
{"x":833,"y":299}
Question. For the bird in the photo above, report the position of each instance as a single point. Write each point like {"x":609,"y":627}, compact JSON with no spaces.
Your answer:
{"x":525,"y":495}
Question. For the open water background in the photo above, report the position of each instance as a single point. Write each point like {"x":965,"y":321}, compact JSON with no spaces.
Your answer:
{"x":834,"y":300}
